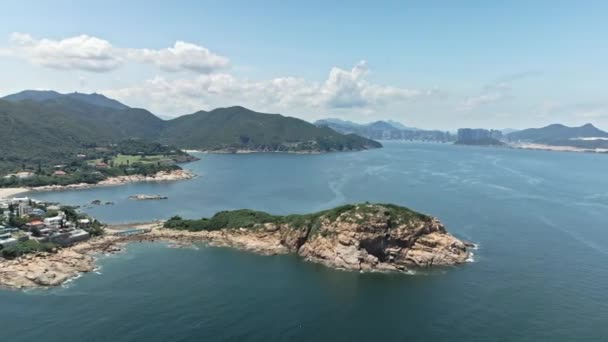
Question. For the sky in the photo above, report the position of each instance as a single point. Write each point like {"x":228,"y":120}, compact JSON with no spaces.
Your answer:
{"x":428,"y":64}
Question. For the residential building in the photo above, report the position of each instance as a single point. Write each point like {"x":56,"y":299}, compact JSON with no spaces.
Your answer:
{"x":24,"y":209}
{"x":54,"y":222}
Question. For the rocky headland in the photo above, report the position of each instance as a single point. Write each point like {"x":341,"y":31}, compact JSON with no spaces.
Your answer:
{"x":363,"y":238}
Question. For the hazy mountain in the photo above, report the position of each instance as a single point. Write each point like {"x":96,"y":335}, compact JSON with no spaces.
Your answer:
{"x":506,"y":131}
{"x":349,"y":125}
{"x":399,"y":125}
{"x":385,"y":130}
{"x":586,"y":136}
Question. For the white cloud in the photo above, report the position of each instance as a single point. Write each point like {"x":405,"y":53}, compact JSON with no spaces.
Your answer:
{"x":182,"y":56}
{"x":343,"y":90}
{"x":89,"y":53}
{"x":81,"y":52}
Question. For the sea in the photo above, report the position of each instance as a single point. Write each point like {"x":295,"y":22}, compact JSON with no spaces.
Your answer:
{"x":539,"y":272}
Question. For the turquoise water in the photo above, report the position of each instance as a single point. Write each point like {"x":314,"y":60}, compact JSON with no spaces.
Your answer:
{"x":538,"y":217}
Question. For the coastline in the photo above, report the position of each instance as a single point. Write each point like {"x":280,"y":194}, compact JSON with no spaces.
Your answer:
{"x":161,"y":176}
{"x":43,"y":270}
{"x":246,"y":151}
{"x":11,"y":192}
{"x":544,"y":147}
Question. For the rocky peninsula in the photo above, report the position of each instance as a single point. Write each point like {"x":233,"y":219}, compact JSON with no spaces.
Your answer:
{"x":362,"y":237}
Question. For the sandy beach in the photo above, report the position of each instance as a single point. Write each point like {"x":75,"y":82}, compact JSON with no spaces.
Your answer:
{"x":11,"y":192}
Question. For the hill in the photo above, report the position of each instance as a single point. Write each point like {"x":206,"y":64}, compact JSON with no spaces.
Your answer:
{"x":586,"y":136}
{"x":45,"y":127}
{"x":385,"y":130}
{"x":44,"y":95}
{"x":238,"y":128}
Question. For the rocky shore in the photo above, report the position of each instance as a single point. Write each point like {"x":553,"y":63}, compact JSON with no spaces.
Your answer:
{"x":365,"y":238}
{"x":162,"y":176}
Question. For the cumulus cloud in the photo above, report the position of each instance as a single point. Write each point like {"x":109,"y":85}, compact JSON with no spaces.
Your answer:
{"x":89,"y":53}
{"x":342,"y":90}
{"x":182,"y":56}
{"x":81,"y":52}
{"x":350,"y":89}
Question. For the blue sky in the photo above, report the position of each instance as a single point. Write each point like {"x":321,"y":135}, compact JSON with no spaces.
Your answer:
{"x":432,"y":64}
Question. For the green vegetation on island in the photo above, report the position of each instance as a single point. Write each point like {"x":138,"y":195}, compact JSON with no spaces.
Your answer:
{"x":251,"y":219}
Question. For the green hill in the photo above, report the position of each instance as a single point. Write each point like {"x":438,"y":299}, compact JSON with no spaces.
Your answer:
{"x":51,"y":128}
{"x":43,"y":95}
{"x":238,"y":128}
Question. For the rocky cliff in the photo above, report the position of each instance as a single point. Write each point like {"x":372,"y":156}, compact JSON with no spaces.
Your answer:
{"x":363,"y":237}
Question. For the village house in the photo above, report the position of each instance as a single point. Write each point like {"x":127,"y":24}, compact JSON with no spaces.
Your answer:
{"x":21,"y":175}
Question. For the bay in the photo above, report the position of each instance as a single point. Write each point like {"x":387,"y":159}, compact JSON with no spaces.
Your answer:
{"x":539,"y":219}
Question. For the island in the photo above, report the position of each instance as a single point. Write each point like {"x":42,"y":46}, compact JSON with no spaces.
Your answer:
{"x":362,"y":237}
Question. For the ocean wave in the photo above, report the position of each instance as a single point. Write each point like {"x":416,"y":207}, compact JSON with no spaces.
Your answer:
{"x":68,"y":283}
{"x":471,"y":257}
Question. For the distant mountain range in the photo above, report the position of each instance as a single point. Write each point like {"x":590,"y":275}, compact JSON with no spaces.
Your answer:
{"x":42,"y":126}
{"x":586,"y":136}
{"x":385,"y":130}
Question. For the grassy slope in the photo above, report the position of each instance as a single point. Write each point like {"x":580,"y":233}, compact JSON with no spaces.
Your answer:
{"x":251,"y":219}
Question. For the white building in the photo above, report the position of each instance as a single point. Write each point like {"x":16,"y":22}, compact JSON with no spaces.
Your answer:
{"x":53,"y":222}
{"x":24,"y":209}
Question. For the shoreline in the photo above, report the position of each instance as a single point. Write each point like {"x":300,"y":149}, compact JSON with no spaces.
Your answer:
{"x":244,"y":151}
{"x":11,"y":192}
{"x":543,"y":147}
{"x":161,"y":176}
{"x":44,"y":270}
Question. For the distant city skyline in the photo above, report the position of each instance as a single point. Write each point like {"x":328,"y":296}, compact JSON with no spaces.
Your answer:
{"x":440,"y":65}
